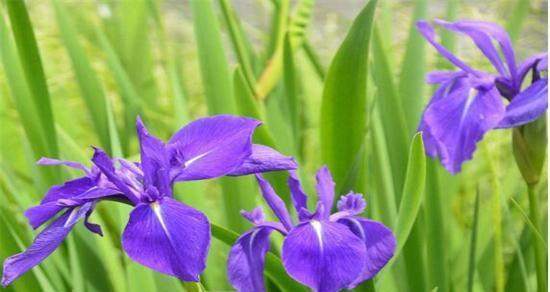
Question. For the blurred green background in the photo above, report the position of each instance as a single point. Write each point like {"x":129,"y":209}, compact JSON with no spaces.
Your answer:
{"x":101,"y":63}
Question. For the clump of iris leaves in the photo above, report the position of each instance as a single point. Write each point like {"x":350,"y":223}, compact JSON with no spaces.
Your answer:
{"x":419,"y":139}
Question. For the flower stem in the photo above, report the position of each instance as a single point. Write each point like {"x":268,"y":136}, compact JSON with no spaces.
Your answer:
{"x":540,"y":253}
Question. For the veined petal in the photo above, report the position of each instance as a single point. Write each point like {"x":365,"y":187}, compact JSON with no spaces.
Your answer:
{"x":246,"y":261}
{"x":325,"y":190}
{"x":297,"y":194}
{"x":323,"y":255}
{"x":154,"y":160}
{"x":69,"y":189}
{"x":71,"y":164}
{"x":274,"y":202}
{"x":264,"y":159}
{"x":168,"y":237}
{"x":459,"y":120}
{"x":527,"y":106}
{"x":379,"y":241}
{"x":211,"y":147}
{"x":43,"y":245}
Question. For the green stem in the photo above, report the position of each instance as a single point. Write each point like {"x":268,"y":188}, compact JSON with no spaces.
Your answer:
{"x":540,"y":253}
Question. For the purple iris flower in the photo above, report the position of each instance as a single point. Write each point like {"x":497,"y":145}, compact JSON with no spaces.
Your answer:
{"x":162,"y":233}
{"x":322,"y":251}
{"x":470,"y":102}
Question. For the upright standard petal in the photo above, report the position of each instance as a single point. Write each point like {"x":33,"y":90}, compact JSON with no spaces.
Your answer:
{"x":428,"y":32}
{"x":274,"y":202}
{"x":325,"y":190}
{"x":105,"y":164}
{"x":246,"y":261}
{"x":461,"y":119}
{"x":264,"y":159}
{"x":325,"y":256}
{"x":168,"y":237}
{"x":527,"y":106}
{"x":379,"y":241}
{"x":43,"y":245}
{"x":211,"y":147}
{"x":297,"y":194}
{"x":155,"y":162}
{"x":482,"y":34}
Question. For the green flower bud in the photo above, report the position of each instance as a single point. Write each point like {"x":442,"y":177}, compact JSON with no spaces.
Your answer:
{"x":529,"y":145}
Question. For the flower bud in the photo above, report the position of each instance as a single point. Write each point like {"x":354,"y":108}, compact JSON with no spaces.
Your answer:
{"x":529,"y":145}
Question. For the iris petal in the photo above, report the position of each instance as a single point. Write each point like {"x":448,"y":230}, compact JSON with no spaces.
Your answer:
{"x":325,"y":190}
{"x":325,"y":256}
{"x":458,"y":120}
{"x":168,"y":237}
{"x":274,"y":202}
{"x":43,"y":245}
{"x":154,"y":160}
{"x":246,"y":260}
{"x":379,"y":241}
{"x":297,"y":194}
{"x":527,"y":106}
{"x":264,"y":159}
{"x":211,"y":147}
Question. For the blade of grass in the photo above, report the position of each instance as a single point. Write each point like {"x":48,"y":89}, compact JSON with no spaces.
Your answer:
{"x":128,"y":92}
{"x":218,"y":90}
{"x":436,"y":231}
{"x":411,"y":85}
{"x":540,"y":250}
{"x":241,"y":45}
{"x":296,"y":28}
{"x":473,"y":244}
{"x":391,"y":111}
{"x":292,"y":102}
{"x":21,"y":95}
{"x":517,"y":18}
{"x":413,"y":191}
{"x":344,"y":102}
{"x":33,"y":72}
{"x":90,"y":87}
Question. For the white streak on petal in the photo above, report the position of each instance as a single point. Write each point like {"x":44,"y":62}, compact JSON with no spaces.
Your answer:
{"x":190,"y":161}
{"x":318,"y":230}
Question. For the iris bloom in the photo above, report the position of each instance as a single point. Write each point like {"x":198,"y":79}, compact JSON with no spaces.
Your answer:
{"x":470,"y":102}
{"x":322,"y":251}
{"x":162,"y":233}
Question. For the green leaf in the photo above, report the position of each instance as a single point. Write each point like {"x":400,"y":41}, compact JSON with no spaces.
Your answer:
{"x":516,"y":18}
{"x":396,"y":130}
{"x":90,"y":87}
{"x":128,"y":92}
{"x":241,"y":45}
{"x":216,"y":77}
{"x":33,"y":72}
{"x":344,"y":103}
{"x":436,"y":230}
{"x":413,"y":70}
{"x":247,"y":105}
{"x":413,"y":191}
{"x":473,"y":244}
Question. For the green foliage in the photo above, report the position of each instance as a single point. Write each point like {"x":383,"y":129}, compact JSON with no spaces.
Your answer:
{"x":340,"y":83}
